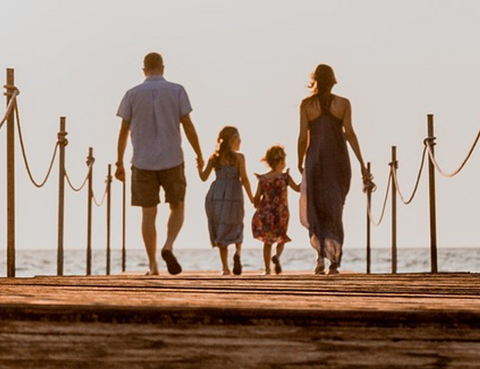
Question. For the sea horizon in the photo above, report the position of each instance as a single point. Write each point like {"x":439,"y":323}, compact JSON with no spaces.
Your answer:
{"x":31,"y":263}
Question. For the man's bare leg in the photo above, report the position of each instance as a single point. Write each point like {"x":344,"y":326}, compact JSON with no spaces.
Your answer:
{"x":174,"y":225}
{"x":175,"y":222}
{"x":149,"y":233}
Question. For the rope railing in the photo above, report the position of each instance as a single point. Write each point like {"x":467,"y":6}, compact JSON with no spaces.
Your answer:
{"x":12,"y":102}
{"x":429,"y":143}
{"x":24,"y":154}
{"x":12,"y":114}
{"x":384,"y":206}
{"x":100,"y":203}
{"x":84,"y":182}
{"x":394,"y":169}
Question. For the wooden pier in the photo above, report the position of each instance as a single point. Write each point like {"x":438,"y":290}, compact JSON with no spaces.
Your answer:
{"x":202,"y":320}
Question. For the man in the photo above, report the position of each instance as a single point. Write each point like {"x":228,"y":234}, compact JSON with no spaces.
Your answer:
{"x":153,"y":112}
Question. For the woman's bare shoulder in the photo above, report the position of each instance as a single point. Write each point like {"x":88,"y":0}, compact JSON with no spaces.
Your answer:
{"x":341,"y":101}
{"x":340,"y":105}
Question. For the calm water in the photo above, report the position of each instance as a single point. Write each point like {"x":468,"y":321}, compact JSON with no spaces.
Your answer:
{"x":31,"y":263}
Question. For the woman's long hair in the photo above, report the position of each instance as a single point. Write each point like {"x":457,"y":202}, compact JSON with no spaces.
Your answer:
{"x":322,"y":82}
{"x":223,"y":154}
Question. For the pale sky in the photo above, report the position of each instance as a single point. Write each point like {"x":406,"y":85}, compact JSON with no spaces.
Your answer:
{"x":246,"y":63}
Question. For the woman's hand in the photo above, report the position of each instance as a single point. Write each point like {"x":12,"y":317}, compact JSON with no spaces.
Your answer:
{"x":367,"y":178}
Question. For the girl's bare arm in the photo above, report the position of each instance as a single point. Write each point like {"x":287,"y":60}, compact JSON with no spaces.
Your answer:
{"x":243,"y":176}
{"x":294,"y":186}
{"x":204,"y":173}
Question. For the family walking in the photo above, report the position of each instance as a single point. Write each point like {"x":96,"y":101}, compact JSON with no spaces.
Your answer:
{"x":152,"y":114}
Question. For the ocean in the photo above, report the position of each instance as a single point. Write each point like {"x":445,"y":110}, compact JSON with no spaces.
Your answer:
{"x":37,"y":263}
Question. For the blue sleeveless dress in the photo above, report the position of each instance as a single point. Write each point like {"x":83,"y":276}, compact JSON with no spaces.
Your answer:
{"x":328,"y":175}
{"x":224,"y":207}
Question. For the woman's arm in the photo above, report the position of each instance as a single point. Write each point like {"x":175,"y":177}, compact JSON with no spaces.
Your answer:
{"x":243,"y":176}
{"x":352,"y":137}
{"x":302,"y":138}
{"x":204,"y":173}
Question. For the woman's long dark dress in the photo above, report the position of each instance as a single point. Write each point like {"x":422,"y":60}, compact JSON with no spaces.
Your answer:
{"x":328,"y":175}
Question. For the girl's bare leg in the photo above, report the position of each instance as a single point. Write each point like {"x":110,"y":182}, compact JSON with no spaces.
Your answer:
{"x":237,"y":263}
{"x":276,"y":258}
{"x":223,"y":250}
{"x":267,"y":254}
{"x":280,"y":247}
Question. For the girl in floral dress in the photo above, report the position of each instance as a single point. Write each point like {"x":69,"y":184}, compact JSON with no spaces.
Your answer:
{"x":270,"y":221}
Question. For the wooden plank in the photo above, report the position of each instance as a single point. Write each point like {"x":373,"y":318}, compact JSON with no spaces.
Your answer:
{"x":201,"y":320}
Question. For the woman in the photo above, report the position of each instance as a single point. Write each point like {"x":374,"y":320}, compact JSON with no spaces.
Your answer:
{"x":325,"y":127}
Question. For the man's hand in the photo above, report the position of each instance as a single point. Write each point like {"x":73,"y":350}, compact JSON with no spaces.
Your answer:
{"x":120,"y":172}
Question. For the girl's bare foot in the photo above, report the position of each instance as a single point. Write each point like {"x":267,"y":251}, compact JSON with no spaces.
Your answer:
{"x":153,"y":269}
{"x":226,"y":272}
{"x":237,"y":264}
{"x":278,"y":266}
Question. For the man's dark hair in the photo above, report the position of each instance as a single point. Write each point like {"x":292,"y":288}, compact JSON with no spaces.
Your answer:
{"x":153,"y":61}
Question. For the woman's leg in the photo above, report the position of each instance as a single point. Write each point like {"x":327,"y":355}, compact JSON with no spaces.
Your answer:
{"x":267,"y":254}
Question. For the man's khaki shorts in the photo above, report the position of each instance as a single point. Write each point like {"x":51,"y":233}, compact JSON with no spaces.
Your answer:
{"x":146,"y":186}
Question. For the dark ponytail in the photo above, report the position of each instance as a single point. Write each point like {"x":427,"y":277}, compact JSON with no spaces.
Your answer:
{"x":224,"y":154}
{"x":323,"y":80}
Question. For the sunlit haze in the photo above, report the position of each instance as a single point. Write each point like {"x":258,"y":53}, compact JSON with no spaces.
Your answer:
{"x":247,"y":64}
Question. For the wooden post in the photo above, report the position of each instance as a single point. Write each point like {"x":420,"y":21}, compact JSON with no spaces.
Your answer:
{"x":89,"y":212}
{"x":62,"y":141}
{"x":369,"y":223}
{"x":394,"y":213}
{"x":109,"y":212}
{"x":433,"y":217}
{"x":10,"y":178}
{"x":124,"y":227}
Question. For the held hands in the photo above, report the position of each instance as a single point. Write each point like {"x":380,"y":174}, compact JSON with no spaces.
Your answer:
{"x":200,"y":162}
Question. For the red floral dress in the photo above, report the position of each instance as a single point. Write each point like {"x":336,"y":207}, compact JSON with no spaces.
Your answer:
{"x":270,"y":221}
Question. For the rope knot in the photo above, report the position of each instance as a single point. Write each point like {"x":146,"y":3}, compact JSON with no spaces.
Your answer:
{"x":393,"y":164}
{"x":90,"y":160}
{"x":11,"y":90}
{"x":429,"y":141}
{"x":61,"y":138}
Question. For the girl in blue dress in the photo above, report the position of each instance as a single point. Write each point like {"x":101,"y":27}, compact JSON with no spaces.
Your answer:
{"x":224,"y":200}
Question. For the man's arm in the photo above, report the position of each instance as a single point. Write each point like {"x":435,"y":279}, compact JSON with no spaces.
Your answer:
{"x":192,"y":137}
{"x":121,"y":146}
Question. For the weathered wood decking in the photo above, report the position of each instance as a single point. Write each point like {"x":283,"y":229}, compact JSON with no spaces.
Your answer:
{"x":201,"y":320}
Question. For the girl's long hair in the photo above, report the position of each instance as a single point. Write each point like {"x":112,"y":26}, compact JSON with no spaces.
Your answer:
{"x":223,"y":154}
{"x":322,"y":82}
